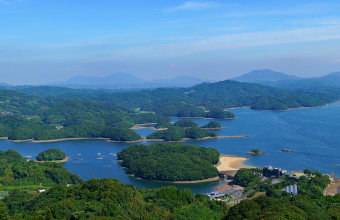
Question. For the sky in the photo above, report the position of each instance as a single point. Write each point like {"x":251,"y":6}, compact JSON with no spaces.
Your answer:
{"x":44,"y":41}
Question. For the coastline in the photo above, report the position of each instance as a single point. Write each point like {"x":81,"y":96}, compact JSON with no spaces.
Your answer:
{"x":226,"y":163}
{"x":54,"y":161}
{"x":214,"y":128}
{"x":231,"y":162}
{"x":212,"y":179}
{"x":198,"y":139}
{"x":141,"y":126}
{"x":288,"y":109}
{"x":207,"y":118}
{"x":109,"y":140}
{"x":56,"y":140}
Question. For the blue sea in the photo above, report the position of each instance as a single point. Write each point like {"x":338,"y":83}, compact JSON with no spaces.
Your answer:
{"x":313,"y":134}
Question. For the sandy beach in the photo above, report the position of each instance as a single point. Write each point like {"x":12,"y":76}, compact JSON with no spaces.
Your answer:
{"x":54,"y":161}
{"x":231,"y":162}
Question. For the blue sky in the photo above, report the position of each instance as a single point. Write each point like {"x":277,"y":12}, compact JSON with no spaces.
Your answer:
{"x":43,"y":41}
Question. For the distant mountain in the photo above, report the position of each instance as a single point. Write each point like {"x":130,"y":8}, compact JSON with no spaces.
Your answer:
{"x":126,"y":81}
{"x":181,"y":80}
{"x":265,"y":75}
{"x":113,"y":79}
{"x":331,"y":80}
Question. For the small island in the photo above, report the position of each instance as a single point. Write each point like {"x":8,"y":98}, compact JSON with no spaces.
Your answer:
{"x":286,"y":150}
{"x":255,"y":151}
{"x":213,"y":125}
{"x":51,"y":155}
{"x":182,"y":130}
{"x":170,"y":162}
{"x":18,"y":172}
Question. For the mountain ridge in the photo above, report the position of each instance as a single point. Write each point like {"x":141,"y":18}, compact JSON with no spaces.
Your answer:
{"x":255,"y":76}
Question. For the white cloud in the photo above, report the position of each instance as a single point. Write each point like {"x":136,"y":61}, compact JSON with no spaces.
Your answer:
{"x":4,"y":1}
{"x":244,"y":40}
{"x":7,"y":2}
{"x":334,"y":61}
{"x":190,"y":5}
{"x":318,"y":21}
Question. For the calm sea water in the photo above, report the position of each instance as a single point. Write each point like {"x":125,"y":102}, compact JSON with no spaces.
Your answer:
{"x":314,"y":135}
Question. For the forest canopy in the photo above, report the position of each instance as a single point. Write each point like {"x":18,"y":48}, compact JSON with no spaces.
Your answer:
{"x":51,"y":154}
{"x":15,"y":171}
{"x":175,"y":133}
{"x":170,"y":161}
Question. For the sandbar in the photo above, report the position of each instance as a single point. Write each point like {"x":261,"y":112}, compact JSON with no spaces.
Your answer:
{"x":54,"y":161}
{"x":231,"y":162}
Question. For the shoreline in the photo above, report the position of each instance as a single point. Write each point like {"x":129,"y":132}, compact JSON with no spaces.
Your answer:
{"x":212,"y":179}
{"x":231,"y":163}
{"x":198,"y":139}
{"x":109,"y":140}
{"x":56,"y":140}
{"x":289,"y":109}
{"x":253,"y":153}
{"x":54,"y":161}
{"x":226,"y":163}
{"x":214,"y":128}
{"x":207,"y":118}
{"x":141,"y":126}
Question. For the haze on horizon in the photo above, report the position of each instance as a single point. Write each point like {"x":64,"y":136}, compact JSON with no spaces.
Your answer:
{"x":48,"y":41}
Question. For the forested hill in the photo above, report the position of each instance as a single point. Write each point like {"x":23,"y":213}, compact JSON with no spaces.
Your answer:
{"x":29,"y":117}
{"x":219,"y":95}
{"x":100,"y":114}
{"x":16,"y":171}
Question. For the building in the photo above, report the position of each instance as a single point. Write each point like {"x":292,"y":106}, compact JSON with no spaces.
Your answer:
{"x":3,"y":194}
{"x":216,"y":195}
{"x":41,"y":191}
{"x":295,"y":175}
{"x":269,"y":171}
{"x":291,"y":189}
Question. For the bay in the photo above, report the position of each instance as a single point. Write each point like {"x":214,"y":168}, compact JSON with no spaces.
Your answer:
{"x":312,"y":133}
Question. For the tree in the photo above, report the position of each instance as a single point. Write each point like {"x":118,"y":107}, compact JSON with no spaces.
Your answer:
{"x":3,"y":211}
{"x":308,"y":171}
{"x":51,"y":154}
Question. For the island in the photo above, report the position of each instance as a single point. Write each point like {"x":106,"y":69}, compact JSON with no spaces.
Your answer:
{"x":286,"y":150}
{"x":255,"y":151}
{"x":213,"y":125}
{"x":177,"y":133}
{"x":51,"y":154}
{"x":19,"y":172}
{"x":170,"y":162}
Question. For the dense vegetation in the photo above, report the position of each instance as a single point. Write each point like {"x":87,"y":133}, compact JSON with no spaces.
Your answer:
{"x":186,"y":123}
{"x":15,"y":171}
{"x":191,"y":102}
{"x":110,"y":198}
{"x":163,"y":125}
{"x":29,"y":117}
{"x":51,"y":154}
{"x":212,"y":124}
{"x":170,"y":161}
{"x":175,"y":133}
{"x":309,"y":204}
{"x":76,"y":112}
{"x":18,"y":128}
